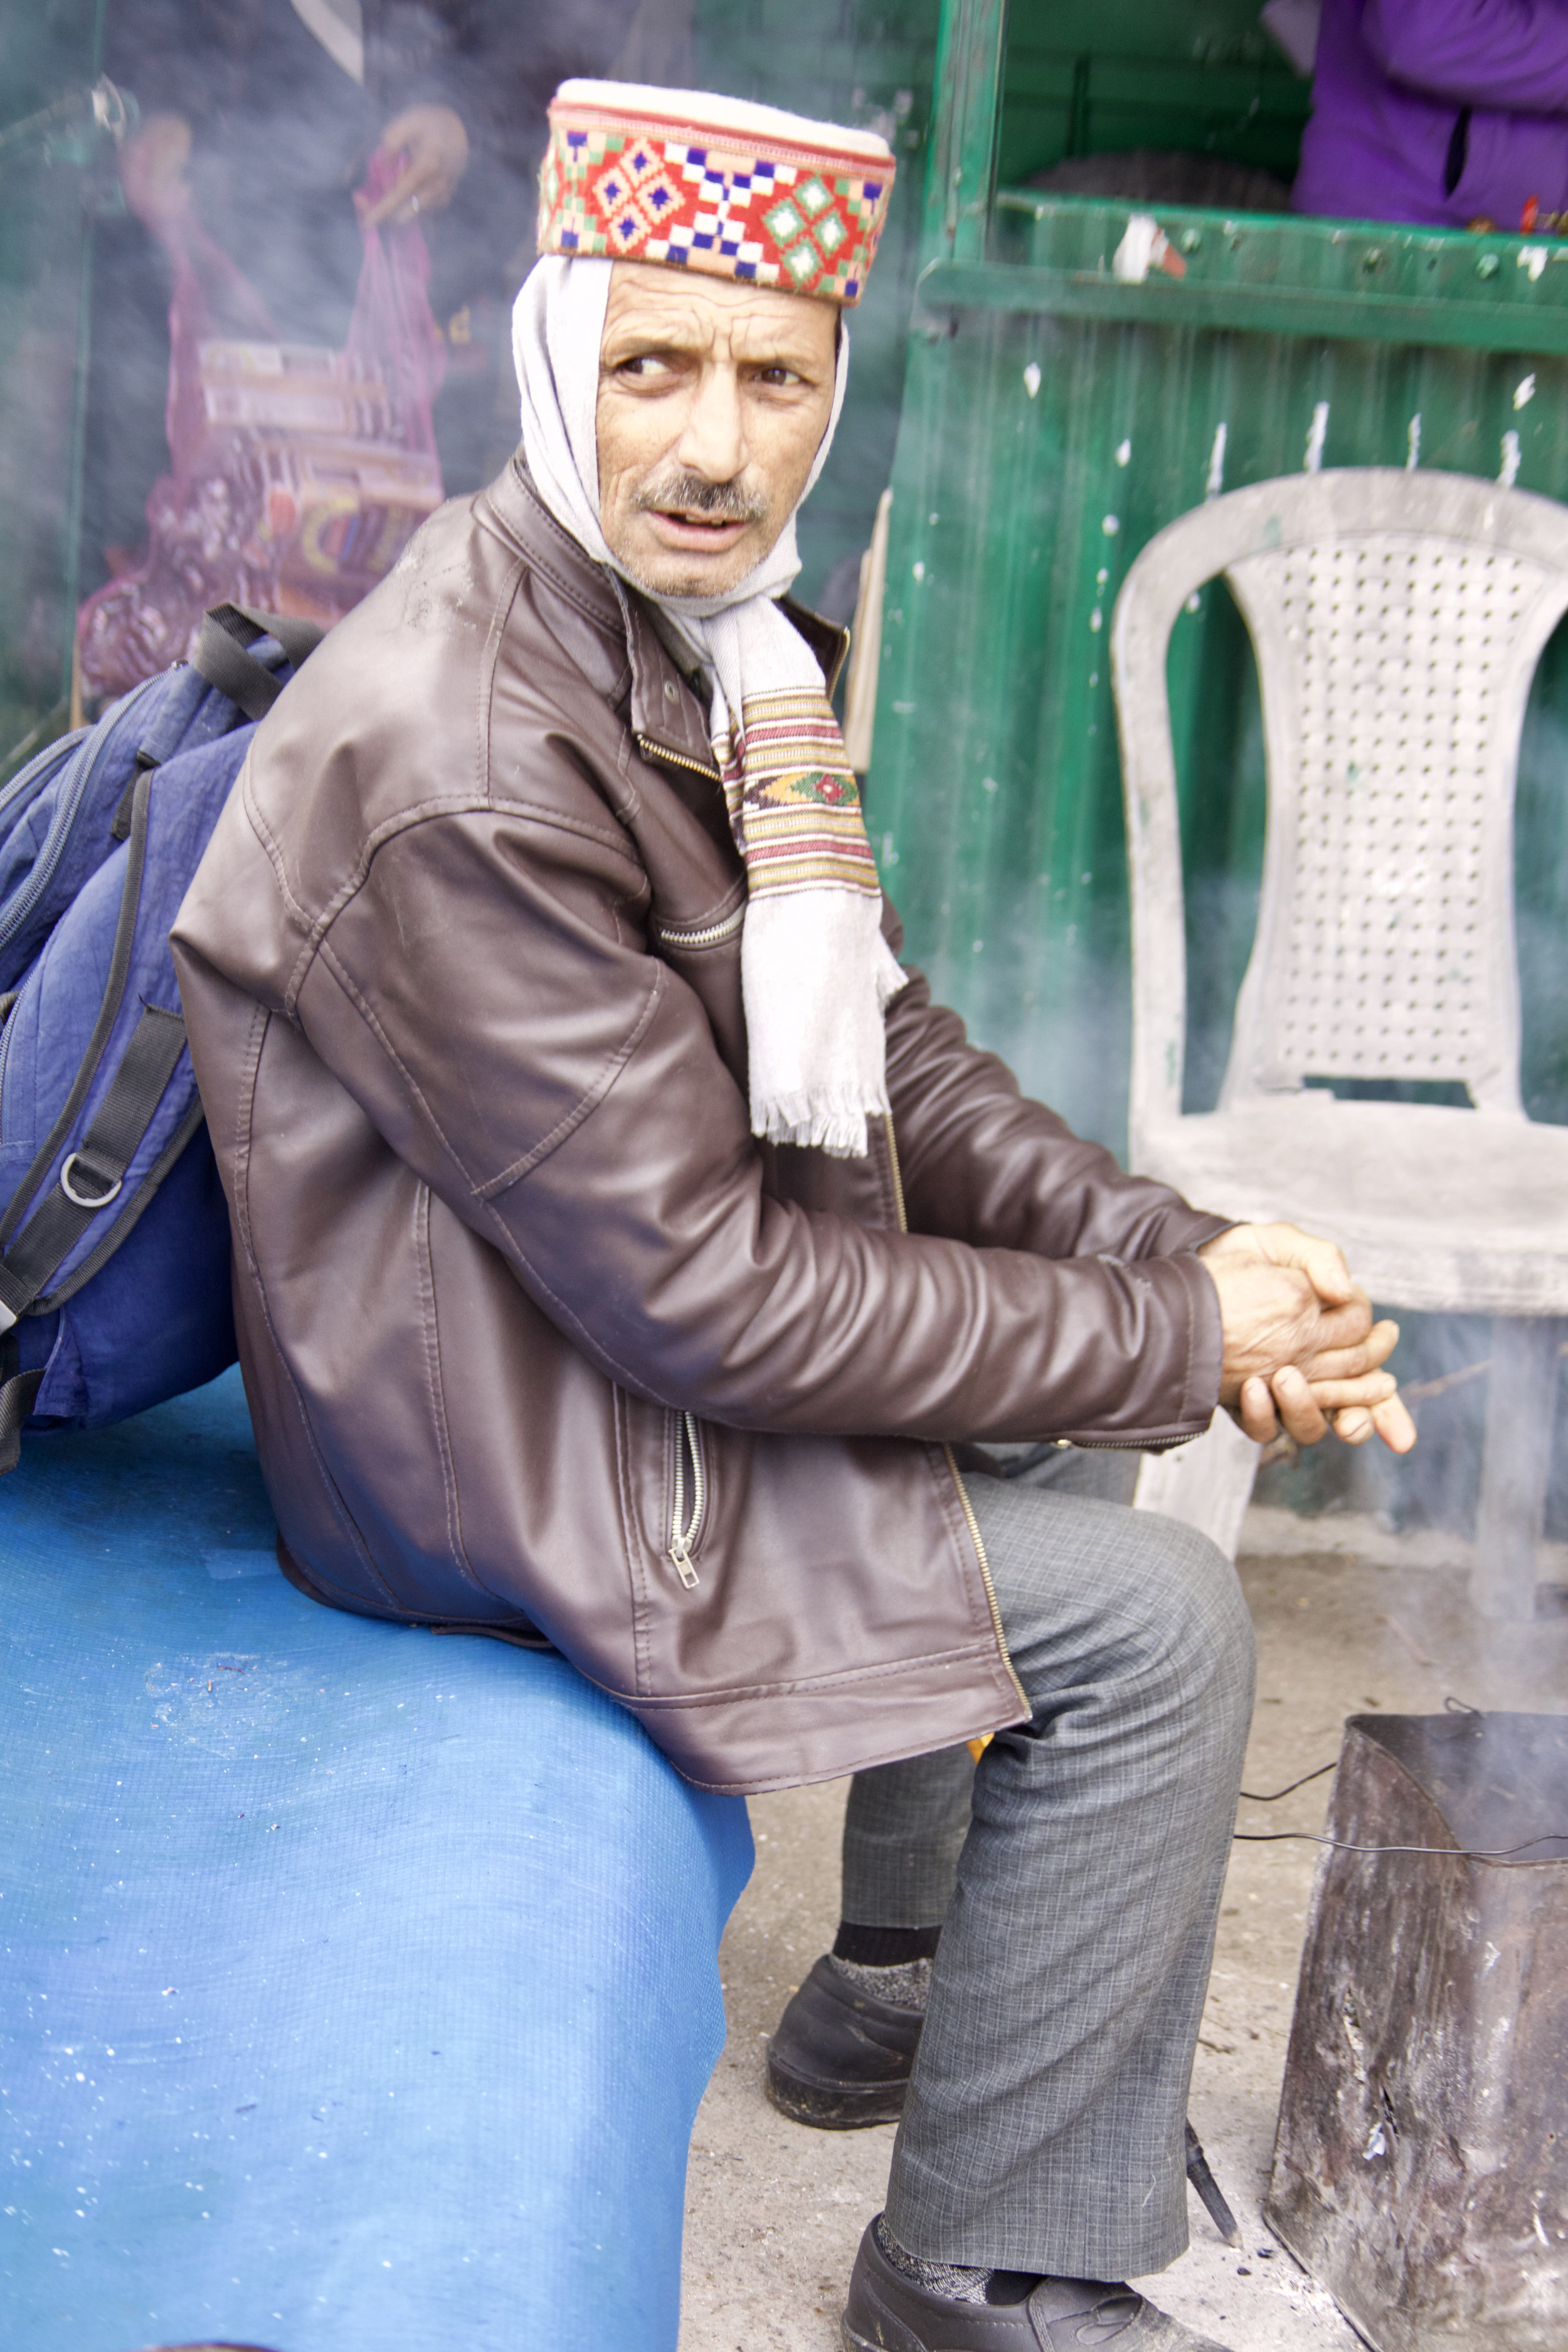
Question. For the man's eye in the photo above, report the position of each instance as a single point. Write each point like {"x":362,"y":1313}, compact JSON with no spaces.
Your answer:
{"x":780,"y":374}
{"x":643,"y":366}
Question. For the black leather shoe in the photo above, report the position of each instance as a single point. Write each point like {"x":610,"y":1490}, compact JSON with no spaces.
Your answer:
{"x":888,"y":2313}
{"x":841,"y":2058}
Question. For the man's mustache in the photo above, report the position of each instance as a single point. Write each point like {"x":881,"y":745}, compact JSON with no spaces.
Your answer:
{"x":679,"y":492}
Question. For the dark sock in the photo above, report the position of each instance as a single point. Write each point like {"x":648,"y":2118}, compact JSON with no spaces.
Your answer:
{"x":884,"y":1947}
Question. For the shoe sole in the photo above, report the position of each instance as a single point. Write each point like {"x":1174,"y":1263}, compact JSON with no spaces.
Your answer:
{"x":825,"y":2110}
{"x":853,"y":2343}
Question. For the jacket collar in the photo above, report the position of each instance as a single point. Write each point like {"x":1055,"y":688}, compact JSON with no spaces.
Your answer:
{"x":667,"y":716}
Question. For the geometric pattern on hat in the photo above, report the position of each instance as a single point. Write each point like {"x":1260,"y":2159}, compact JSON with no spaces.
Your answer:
{"x":716,"y":184}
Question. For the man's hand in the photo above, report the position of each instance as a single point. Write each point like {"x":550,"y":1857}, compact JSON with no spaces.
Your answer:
{"x":1299,"y":1340}
{"x":436,"y":145}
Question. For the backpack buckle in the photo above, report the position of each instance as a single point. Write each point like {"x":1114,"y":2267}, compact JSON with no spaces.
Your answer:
{"x":85,"y":1200}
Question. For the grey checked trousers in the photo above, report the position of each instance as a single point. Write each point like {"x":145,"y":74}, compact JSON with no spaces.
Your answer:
{"x":1077,"y":1871}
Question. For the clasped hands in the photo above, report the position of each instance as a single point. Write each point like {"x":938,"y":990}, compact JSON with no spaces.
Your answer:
{"x":1300,"y":1345}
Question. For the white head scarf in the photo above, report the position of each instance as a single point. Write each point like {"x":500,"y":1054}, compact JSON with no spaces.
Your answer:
{"x":815,"y":970}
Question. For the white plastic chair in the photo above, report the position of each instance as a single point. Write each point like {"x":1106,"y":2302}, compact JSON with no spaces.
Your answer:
{"x":1397,"y":619}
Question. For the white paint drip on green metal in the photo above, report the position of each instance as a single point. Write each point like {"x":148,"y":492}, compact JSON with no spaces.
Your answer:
{"x":1316,"y":438}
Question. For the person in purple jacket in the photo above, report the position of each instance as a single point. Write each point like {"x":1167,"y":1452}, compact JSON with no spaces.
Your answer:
{"x":1452,"y":113}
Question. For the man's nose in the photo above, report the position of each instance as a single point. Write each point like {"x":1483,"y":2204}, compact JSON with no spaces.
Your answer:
{"x":713,"y":440}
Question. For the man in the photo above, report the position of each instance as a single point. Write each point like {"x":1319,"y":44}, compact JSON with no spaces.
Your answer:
{"x":260,"y":116}
{"x":1452,"y":112}
{"x":623,"y":1239}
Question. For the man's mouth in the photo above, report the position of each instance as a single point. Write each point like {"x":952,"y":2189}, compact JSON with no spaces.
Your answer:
{"x":691,"y":515}
{"x":687,"y":534}
{"x":713,"y":524}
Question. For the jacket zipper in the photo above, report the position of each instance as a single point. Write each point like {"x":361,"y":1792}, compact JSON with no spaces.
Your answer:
{"x":684,"y":1531}
{"x":708,"y":936}
{"x":899,"y":1209}
{"x":974,"y":1535}
{"x":652,"y":751}
{"x":985,"y":1575}
{"x":1130,"y":1445}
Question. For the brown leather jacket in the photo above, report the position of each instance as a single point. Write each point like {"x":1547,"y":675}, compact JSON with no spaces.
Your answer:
{"x":536,"y":1335}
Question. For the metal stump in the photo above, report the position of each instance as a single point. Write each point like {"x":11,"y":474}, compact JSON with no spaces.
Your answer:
{"x":1421,"y":2165}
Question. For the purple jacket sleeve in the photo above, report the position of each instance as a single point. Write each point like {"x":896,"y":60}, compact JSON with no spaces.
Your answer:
{"x":1487,"y":53}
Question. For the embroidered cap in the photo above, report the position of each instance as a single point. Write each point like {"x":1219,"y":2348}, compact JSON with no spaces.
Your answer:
{"x":716,"y":184}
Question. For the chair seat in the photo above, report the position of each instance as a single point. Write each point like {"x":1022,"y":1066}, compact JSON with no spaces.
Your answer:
{"x":1436,"y":1209}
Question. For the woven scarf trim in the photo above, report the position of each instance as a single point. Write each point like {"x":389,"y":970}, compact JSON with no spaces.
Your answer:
{"x":793,"y":799}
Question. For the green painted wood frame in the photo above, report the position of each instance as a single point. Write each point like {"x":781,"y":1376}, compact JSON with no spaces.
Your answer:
{"x":1054,"y":419}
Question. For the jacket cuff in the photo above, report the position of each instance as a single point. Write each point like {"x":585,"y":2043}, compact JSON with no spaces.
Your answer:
{"x":1188,"y":1229}
{"x":1205,"y":1356}
{"x":1194,"y":1394}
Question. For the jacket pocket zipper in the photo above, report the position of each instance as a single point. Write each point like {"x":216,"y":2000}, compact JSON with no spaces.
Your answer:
{"x":1130,"y":1445}
{"x":707,"y":935}
{"x":683,"y":1531}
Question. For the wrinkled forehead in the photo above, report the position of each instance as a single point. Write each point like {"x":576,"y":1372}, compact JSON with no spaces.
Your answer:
{"x":651,"y":307}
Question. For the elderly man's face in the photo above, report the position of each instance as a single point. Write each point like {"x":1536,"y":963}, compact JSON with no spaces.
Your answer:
{"x":713,"y":400}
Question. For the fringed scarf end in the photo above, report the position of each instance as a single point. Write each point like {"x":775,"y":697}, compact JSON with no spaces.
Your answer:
{"x":819,"y":1123}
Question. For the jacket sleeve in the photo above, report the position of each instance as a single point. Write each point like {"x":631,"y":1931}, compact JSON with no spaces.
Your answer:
{"x":1494,"y":53}
{"x":487,"y":995}
{"x":982,"y":1163}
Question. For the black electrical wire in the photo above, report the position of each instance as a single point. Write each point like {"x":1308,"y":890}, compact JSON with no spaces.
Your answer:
{"x":1454,"y":1852}
{"x":1447,"y":1853}
{"x":1253,"y":1799}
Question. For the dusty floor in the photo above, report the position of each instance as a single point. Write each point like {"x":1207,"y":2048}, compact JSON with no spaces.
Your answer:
{"x":774,"y":2211}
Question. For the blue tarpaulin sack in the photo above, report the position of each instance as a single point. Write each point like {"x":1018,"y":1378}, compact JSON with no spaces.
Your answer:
{"x":114,"y":1241}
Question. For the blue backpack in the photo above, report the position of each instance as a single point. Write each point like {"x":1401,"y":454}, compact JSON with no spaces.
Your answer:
{"x":114,"y":1241}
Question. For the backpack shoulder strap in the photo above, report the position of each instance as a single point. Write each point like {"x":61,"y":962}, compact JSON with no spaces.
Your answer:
{"x":92,"y":1176}
{"x":94,"y":1173}
{"x":224,"y":658}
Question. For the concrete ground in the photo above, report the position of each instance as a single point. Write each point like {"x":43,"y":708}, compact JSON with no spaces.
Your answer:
{"x":774,"y":2211}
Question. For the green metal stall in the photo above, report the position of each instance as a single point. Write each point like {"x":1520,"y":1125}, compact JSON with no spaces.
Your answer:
{"x":1056,"y":418}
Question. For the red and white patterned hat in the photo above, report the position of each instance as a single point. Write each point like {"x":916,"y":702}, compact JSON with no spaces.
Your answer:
{"x":712,"y":184}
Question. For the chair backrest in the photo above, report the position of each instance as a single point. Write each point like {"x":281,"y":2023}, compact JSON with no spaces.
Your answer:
{"x":1397,"y":619}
